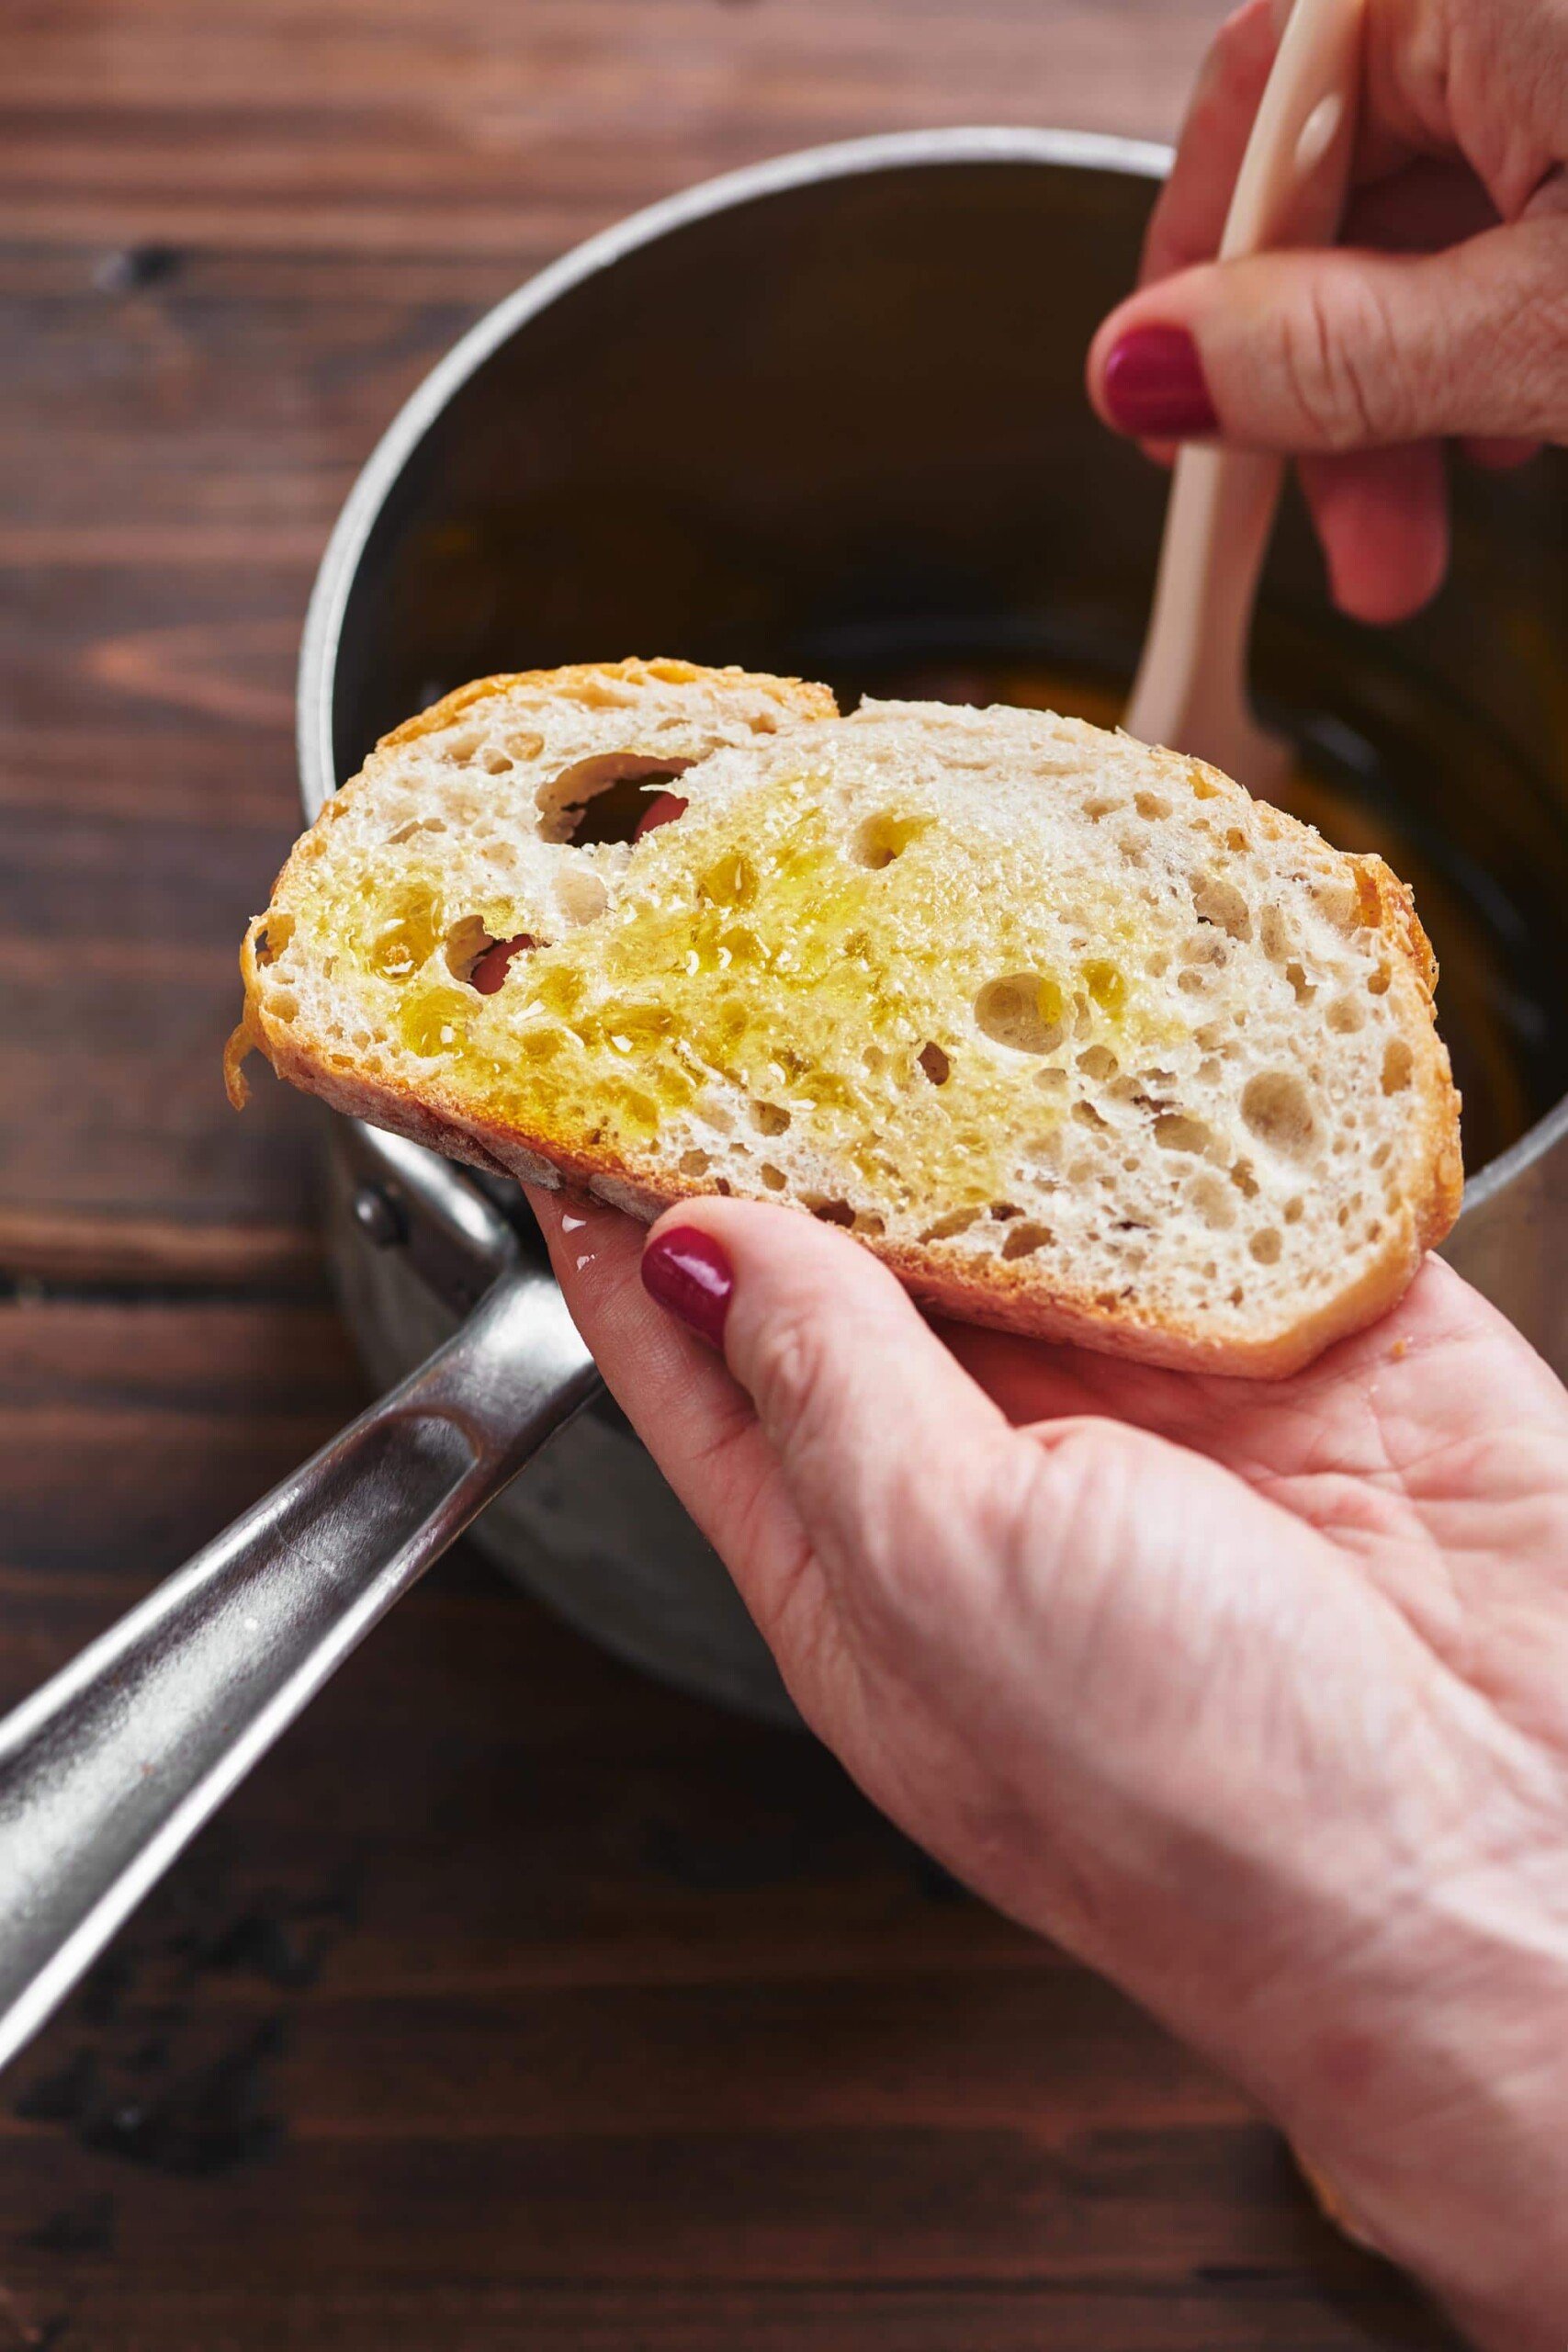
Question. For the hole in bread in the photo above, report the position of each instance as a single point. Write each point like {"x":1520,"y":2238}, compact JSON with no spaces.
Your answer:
{"x":883,"y":837}
{"x":1244,"y":1180}
{"x":495,"y":762}
{"x":867,"y":1222}
{"x":523,"y":743}
{"x":415,"y":825}
{"x":1175,"y":1132}
{"x":774,"y":1178}
{"x":1088,"y":1116}
{"x":435,"y":1024}
{"x":1151,"y":806}
{"x":1345,"y":1015}
{"x":1004,"y":1211}
{"x":1277,"y":1109}
{"x":490,"y":970}
{"x":601,"y":799}
{"x":1220,"y":902}
{"x":769,"y":1118}
{"x":1274,"y":935}
{"x":1210,"y":1196}
{"x":1099,"y":1061}
{"x":1098,"y":806}
{"x":1378,"y":980}
{"x":1192,"y":983}
{"x":833,"y":1212}
{"x":1107,"y":984}
{"x":1265,"y":1247}
{"x":1023,"y":1239}
{"x":459,"y":744}
{"x":1334,"y":899}
{"x":1295,"y":1209}
{"x":935,"y":1064}
{"x":1398,"y":1062}
{"x":407,"y":937}
{"x":1235,"y":840}
{"x":273,"y":938}
{"x":465,"y":943}
{"x":1054,"y":1081}
{"x":1203,"y":788}
{"x":1023,"y":1012}
{"x":1302,"y":988}
{"x":955,"y":1221}
{"x":694,"y":1163}
{"x":662,"y":808}
{"x":283,"y":1005}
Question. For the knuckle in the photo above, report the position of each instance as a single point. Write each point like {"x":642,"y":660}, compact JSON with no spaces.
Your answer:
{"x":1519,"y":339}
{"x":1339,"y":362}
{"x":790,"y":1374}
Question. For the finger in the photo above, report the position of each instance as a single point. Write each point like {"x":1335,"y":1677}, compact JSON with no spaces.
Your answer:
{"x":1327,"y":351}
{"x":1189,"y":214}
{"x":1498,"y":455}
{"x":1382,"y":516}
{"x":879,"y":1433}
{"x":1425,"y":204}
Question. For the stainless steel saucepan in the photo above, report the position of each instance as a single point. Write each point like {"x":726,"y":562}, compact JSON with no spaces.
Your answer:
{"x":823,"y":417}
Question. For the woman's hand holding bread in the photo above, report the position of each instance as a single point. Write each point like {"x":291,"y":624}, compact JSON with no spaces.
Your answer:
{"x":1254,"y":1695}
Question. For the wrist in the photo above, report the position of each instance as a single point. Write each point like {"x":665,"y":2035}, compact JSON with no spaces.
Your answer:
{"x":1434,"y":2110}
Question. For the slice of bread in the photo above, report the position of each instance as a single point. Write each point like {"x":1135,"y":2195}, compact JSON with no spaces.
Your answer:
{"x":1081,"y":1039}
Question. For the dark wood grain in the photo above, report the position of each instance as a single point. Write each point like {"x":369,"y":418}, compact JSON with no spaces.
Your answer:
{"x":514,"y":2000}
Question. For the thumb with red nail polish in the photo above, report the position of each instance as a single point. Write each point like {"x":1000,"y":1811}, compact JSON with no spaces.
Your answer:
{"x":689,"y":1272}
{"x":1153,"y":386}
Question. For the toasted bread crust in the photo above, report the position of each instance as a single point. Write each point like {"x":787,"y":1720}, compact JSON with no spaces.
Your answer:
{"x":1007,"y":1295}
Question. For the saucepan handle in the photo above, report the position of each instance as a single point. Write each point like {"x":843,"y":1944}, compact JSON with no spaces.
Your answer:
{"x":108,"y":1771}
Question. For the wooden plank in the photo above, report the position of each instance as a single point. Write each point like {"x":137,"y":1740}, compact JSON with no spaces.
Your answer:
{"x":128,"y":1435}
{"x":532,"y":127}
{"x":783,"y":2316}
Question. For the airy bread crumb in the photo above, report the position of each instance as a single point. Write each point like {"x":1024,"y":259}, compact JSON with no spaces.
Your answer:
{"x":1081,"y":1039}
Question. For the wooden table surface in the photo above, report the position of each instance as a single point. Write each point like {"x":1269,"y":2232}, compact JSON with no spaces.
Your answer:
{"x":515,"y":2001}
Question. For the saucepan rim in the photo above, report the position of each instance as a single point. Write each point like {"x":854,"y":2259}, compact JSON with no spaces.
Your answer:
{"x":804,"y":167}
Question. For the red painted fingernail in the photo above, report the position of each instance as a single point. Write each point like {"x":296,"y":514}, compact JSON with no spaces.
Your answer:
{"x":688,"y":1273}
{"x":1153,"y":386}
